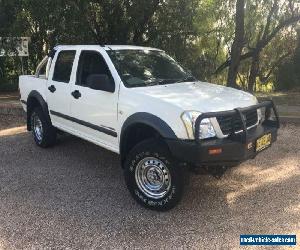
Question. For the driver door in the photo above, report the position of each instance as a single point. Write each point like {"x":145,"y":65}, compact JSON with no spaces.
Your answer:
{"x":94,"y":111}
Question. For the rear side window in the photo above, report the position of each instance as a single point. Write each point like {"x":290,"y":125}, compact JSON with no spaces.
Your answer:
{"x":63,"y":66}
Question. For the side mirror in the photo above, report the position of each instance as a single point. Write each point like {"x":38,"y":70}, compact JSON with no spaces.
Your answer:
{"x":100,"y":82}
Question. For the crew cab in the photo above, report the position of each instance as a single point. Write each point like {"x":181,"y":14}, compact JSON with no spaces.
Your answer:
{"x":140,"y":103}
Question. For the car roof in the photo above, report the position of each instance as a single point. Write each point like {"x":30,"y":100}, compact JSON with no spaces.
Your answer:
{"x":106,"y":47}
{"x":128,"y":47}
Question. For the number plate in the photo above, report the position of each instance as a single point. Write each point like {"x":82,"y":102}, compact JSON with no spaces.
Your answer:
{"x":263,"y":142}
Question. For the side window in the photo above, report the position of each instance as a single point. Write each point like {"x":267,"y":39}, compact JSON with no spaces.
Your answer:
{"x":63,"y":66}
{"x":91,"y":63}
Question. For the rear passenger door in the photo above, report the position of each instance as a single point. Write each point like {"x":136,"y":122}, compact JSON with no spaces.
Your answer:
{"x":94,"y":111}
{"x":58,"y":89}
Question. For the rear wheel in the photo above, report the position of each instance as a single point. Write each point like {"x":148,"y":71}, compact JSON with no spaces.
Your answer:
{"x":152,"y":176}
{"x":44,"y":133}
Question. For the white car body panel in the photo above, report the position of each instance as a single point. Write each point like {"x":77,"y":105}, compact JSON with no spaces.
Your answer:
{"x":60,"y":99}
{"x":96,"y":107}
{"x":167,"y":102}
{"x":28,"y":83}
{"x":199,"y":96}
{"x":180,"y":97}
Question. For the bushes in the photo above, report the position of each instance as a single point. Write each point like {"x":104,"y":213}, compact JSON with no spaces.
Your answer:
{"x":288,"y":74}
{"x":285,"y":77}
{"x":10,"y":69}
{"x":8,"y":86}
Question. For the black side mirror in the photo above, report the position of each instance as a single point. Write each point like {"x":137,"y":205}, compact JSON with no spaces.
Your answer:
{"x":101,"y":82}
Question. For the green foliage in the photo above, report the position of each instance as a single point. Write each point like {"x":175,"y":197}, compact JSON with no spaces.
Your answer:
{"x":6,"y":86}
{"x":198,"y":33}
{"x":288,"y":74}
{"x":8,"y":76}
{"x":285,"y":76}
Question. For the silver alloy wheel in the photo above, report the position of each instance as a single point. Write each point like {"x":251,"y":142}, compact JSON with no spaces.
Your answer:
{"x":37,"y":127}
{"x":153,"y":177}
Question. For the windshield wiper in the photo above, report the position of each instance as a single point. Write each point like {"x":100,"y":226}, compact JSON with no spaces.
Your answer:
{"x":169,"y":81}
{"x":147,"y":84}
{"x":160,"y":82}
{"x":186,"y":79}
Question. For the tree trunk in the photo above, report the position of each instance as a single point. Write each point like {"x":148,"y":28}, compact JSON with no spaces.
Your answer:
{"x":238,"y":44}
{"x":263,"y":43}
{"x":142,"y":25}
{"x":253,"y":72}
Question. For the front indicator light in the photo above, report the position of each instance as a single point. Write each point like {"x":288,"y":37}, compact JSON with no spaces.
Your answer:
{"x":215,"y":151}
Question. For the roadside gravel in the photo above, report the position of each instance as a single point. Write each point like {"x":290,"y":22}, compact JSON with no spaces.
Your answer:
{"x":74,"y":196}
{"x":10,"y":121}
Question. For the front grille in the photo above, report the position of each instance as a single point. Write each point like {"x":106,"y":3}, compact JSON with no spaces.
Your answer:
{"x":227,"y":121}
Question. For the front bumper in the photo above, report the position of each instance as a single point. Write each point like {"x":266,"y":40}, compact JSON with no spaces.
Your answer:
{"x":233,"y":149}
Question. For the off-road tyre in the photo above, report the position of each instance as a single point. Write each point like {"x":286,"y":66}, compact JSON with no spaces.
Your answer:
{"x":153,"y":156}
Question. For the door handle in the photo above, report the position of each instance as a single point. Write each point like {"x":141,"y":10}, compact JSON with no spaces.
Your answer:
{"x":52,"y":89}
{"x":76,"y":94}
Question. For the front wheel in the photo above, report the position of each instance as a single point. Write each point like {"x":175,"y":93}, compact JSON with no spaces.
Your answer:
{"x":153,"y":177}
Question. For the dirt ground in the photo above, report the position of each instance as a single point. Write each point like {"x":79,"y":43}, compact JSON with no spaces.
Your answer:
{"x":73,"y":196}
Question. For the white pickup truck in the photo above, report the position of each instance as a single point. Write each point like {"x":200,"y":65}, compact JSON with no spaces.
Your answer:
{"x":140,"y":103}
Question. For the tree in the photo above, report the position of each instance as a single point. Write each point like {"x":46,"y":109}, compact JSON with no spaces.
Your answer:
{"x":250,"y":38}
{"x":287,"y":75}
{"x":265,"y":20}
{"x":8,"y":16}
{"x":116,"y":22}
{"x":238,"y":43}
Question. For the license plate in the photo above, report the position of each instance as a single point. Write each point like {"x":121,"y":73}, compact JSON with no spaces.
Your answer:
{"x":263,"y":142}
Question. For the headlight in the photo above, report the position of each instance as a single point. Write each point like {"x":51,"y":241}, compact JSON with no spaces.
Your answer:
{"x":206,"y":129}
{"x":189,"y":119}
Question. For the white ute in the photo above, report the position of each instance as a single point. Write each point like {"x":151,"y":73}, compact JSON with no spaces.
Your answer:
{"x":140,"y":103}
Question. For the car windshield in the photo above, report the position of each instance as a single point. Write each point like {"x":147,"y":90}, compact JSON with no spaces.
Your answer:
{"x":140,"y":68}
